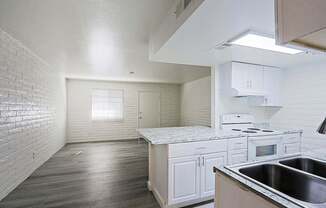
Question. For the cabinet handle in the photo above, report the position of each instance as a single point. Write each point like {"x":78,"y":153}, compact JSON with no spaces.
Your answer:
{"x":198,"y":161}
{"x":203,"y":161}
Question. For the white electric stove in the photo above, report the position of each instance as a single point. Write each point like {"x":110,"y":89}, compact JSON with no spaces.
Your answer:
{"x":244,"y":123}
{"x":263,"y":144}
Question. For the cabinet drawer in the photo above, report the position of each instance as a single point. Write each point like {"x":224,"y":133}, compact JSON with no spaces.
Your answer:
{"x":291,"y":138}
{"x":237,"y":143}
{"x":237,"y":156}
{"x":197,"y":148}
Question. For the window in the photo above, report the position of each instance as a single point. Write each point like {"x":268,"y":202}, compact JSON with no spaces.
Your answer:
{"x":107,"y":105}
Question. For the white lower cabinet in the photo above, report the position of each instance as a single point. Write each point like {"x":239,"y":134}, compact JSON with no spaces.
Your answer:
{"x":184,"y":179}
{"x":207,"y":175}
{"x":291,"y":148}
{"x":291,"y":143}
{"x":237,"y":156}
{"x":192,"y":177}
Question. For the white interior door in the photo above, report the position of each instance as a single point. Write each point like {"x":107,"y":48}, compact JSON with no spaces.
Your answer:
{"x":149,"y":110}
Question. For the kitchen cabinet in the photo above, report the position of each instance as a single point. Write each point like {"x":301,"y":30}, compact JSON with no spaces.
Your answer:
{"x":262,"y":84}
{"x":207,"y":175}
{"x":292,"y":143}
{"x":192,"y":177}
{"x":182,"y":174}
{"x":301,"y":22}
{"x":291,"y":148}
{"x":242,"y":79}
{"x":272,"y":81}
{"x":237,"y":151}
{"x":184,"y":179}
{"x":272,"y":86}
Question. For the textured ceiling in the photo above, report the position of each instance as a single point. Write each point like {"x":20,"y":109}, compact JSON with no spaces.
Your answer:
{"x":103,"y":39}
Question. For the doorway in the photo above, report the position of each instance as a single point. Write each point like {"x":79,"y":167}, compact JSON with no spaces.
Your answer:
{"x":149,"y":109}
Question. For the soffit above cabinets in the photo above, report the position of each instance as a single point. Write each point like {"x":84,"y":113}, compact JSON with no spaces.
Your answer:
{"x":215,"y":22}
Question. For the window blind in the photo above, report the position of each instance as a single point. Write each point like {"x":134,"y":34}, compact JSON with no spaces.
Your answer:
{"x":107,"y":104}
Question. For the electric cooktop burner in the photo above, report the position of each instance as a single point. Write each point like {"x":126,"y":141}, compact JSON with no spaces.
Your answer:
{"x":236,"y":129}
{"x":251,"y":132}
{"x":254,"y":129}
{"x":267,"y":131}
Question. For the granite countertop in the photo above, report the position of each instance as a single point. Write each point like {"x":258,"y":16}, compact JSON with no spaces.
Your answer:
{"x":172,"y":135}
{"x":279,"y":200}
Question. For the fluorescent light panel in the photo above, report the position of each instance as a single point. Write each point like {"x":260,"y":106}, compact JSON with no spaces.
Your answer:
{"x":262,"y":42}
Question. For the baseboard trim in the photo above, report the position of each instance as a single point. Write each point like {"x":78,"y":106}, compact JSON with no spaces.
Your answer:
{"x":101,"y":141}
{"x":159,"y":198}
{"x":149,"y":186}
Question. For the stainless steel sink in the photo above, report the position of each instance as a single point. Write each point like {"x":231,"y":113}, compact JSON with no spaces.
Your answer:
{"x":295,"y":184}
{"x":307,"y":165}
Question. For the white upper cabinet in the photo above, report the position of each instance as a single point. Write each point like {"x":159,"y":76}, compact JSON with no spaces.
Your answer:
{"x":262,"y":84}
{"x":272,"y":86}
{"x":241,"y":79}
{"x":301,"y":22}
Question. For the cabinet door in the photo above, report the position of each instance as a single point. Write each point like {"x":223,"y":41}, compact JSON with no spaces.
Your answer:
{"x":207,"y":174}
{"x":184,"y":179}
{"x":247,"y":77}
{"x":291,"y":148}
{"x":272,"y":86}
{"x":255,"y":78}
{"x":239,"y":76}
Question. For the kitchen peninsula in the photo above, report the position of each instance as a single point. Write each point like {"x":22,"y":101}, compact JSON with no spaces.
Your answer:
{"x":181,"y":161}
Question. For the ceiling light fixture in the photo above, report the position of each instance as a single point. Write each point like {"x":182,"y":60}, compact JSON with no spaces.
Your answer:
{"x":254,"y":40}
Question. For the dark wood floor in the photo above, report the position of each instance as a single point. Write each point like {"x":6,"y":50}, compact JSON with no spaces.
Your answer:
{"x":90,"y":175}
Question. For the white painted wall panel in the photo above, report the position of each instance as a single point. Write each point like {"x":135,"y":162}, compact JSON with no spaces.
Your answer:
{"x":196,"y":102}
{"x":81,"y":128}
{"x":304,"y":94}
{"x":32,"y":112}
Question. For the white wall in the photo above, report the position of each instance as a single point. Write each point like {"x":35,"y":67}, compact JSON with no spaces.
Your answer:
{"x":81,"y":128}
{"x":196,"y":102}
{"x":304,"y":96}
{"x":32,"y":112}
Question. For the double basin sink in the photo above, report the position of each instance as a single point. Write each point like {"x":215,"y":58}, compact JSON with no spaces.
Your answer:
{"x":303,"y":179}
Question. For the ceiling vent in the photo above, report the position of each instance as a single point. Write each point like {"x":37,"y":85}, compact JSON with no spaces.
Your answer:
{"x":181,"y":6}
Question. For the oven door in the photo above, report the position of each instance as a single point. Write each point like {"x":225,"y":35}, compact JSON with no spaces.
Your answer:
{"x":264,"y":148}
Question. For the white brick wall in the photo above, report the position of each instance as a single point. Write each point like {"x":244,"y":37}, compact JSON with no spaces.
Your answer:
{"x":32,"y":112}
{"x":196,"y":102}
{"x":81,"y":128}
{"x":304,"y":96}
